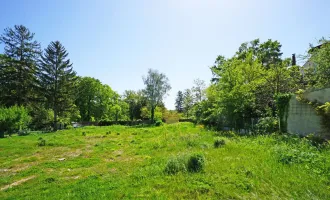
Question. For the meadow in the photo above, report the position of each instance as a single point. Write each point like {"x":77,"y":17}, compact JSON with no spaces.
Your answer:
{"x":119,"y":162}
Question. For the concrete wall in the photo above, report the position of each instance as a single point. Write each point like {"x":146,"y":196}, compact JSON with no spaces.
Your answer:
{"x":302,"y":118}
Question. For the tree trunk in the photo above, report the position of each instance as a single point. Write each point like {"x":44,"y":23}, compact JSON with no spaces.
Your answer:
{"x":152,"y":114}
{"x":55,"y":119}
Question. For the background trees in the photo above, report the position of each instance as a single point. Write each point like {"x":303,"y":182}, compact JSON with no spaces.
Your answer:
{"x":179,"y":102}
{"x":156,"y":87}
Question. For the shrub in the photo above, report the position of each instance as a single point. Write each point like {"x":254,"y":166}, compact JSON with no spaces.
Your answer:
{"x":41,"y":142}
{"x":228,"y":134}
{"x":13,"y":119}
{"x":23,"y":132}
{"x":159,"y":123}
{"x":196,"y":162}
{"x":175,"y":165}
{"x":42,"y":118}
{"x":267,"y":125}
{"x":316,"y":140}
{"x":219,"y":142}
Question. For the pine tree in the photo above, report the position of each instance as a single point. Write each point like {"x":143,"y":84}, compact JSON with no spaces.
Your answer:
{"x":18,"y":69}
{"x":57,"y":79}
{"x":179,"y":102}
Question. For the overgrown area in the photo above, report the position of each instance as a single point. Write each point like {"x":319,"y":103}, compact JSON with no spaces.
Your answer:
{"x":168,"y":162}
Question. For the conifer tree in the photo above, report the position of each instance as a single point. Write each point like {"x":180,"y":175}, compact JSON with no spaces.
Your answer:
{"x":57,"y":79}
{"x":18,"y":66}
{"x":179,"y":102}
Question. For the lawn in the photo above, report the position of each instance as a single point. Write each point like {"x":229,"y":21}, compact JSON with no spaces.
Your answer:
{"x":120,"y":162}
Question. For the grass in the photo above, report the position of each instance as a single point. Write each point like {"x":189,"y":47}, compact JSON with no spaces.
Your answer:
{"x":120,"y":162}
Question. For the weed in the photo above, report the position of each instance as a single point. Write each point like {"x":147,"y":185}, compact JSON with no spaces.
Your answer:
{"x":175,"y":165}
{"x":219,"y":142}
{"x":41,"y":142}
{"x":196,"y":162}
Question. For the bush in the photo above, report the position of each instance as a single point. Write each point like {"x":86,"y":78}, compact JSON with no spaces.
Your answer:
{"x":175,"y":165}
{"x":196,"y":162}
{"x":23,"y":133}
{"x":267,"y":125}
{"x":42,"y":118}
{"x":13,"y":119}
{"x":41,"y":142}
{"x":159,"y":123}
{"x":218,"y":142}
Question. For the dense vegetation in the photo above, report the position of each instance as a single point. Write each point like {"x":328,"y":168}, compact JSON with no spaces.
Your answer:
{"x":168,"y":162}
{"x":244,"y":93}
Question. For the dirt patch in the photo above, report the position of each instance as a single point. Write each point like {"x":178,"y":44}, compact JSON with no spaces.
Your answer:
{"x":18,"y":183}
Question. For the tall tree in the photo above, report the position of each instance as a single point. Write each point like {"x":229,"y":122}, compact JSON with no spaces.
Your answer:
{"x":57,"y":79}
{"x":320,"y":57}
{"x":199,"y":90}
{"x":268,"y":53}
{"x":179,"y":102}
{"x":188,"y":102}
{"x":18,"y":73}
{"x":157,"y":86}
{"x":94,"y":99}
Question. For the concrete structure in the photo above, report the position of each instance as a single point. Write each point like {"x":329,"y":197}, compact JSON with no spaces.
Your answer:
{"x":302,"y":118}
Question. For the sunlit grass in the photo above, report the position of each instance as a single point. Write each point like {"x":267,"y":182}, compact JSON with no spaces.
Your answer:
{"x":130,"y":163}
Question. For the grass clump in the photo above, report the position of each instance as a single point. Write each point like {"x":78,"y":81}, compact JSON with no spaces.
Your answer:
{"x":219,"y":142}
{"x":196,"y":162}
{"x":41,"y":142}
{"x":175,"y":165}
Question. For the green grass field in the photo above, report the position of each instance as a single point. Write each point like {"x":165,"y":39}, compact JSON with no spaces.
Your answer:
{"x":129,"y":163}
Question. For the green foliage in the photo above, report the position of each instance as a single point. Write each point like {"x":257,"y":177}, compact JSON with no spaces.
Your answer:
{"x":175,"y":165}
{"x":267,"y":125}
{"x":41,"y":142}
{"x":13,"y":119}
{"x":320,"y":70}
{"x":196,"y":162}
{"x":42,"y":118}
{"x":282,"y":104}
{"x":135,"y":101}
{"x":57,"y":80}
{"x":159,"y":123}
{"x":179,"y":102}
{"x":18,"y":67}
{"x":188,"y":102}
{"x":219,"y":142}
{"x":156,"y":87}
{"x":145,"y":114}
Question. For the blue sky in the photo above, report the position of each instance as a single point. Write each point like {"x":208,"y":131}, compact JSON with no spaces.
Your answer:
{"x":117,"y":41}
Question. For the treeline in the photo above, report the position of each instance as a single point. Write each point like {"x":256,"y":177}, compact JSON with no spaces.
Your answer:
{"x":250,"y":89}
{"x":39,"y":89}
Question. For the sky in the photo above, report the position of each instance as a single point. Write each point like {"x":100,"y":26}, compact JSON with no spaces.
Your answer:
{"x":117,"y":41}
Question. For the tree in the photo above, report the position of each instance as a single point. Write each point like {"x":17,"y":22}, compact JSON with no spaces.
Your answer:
{"x":157,"y":86}
{"x":188,"y":102}
{"x":18,"y":69}
{"x":179,"y":102}
{"x":135,"y":101}
{"x":199,"y":90}
{"x":320,"y":57}
{"x":57,"y":79}
{"x":267,"y":53}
